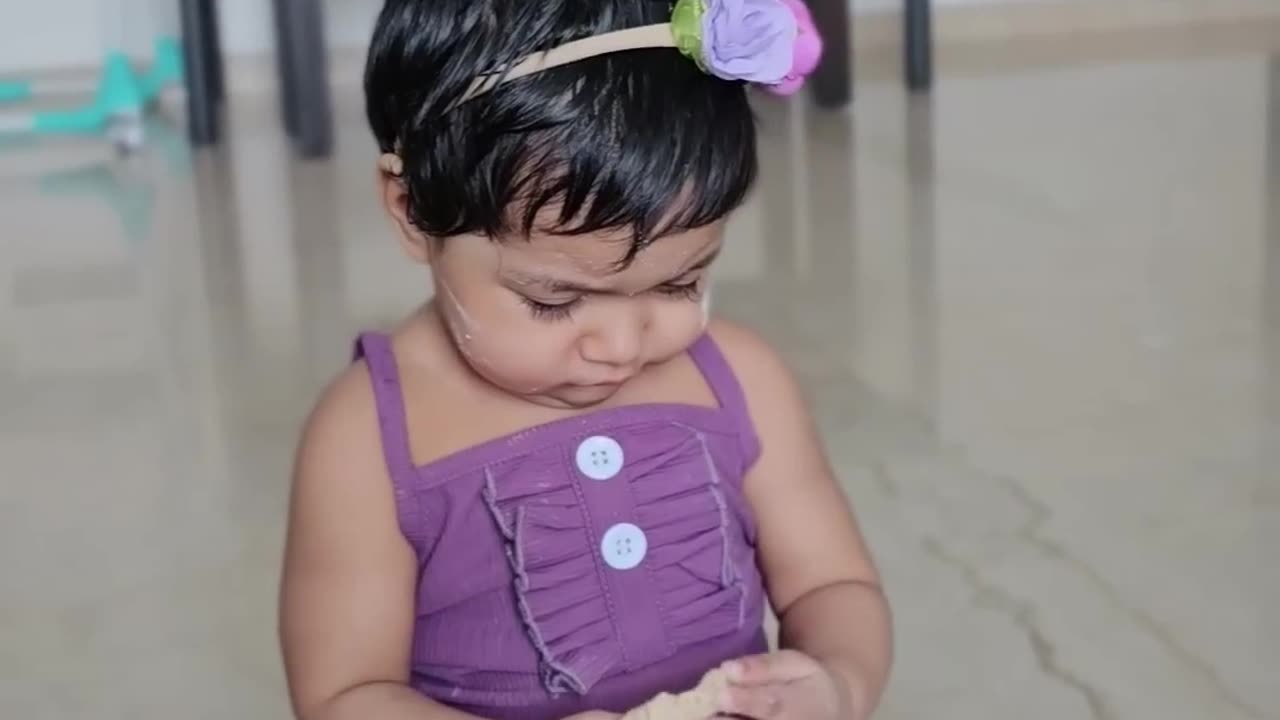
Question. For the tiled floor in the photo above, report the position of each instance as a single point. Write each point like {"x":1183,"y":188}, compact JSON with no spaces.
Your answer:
{"x":1039,"y":314}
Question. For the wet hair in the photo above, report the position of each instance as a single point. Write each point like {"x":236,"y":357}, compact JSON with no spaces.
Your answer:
{"x":640,"y":141}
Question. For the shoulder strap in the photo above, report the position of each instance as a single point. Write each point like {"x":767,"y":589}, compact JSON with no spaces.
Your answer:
{"x":375,"y":350}
{"x":724,"y":383}
{"x":715,"y":370}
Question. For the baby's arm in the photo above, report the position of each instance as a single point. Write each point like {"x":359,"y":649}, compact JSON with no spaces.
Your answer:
{"x":820,"y":577}
{"x":347,"y":597}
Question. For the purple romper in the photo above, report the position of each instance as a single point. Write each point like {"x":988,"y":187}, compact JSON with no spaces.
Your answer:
{"x":589,"y":563}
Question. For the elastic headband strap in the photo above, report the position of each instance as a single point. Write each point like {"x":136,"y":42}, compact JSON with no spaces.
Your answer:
{"x":648,"y":36}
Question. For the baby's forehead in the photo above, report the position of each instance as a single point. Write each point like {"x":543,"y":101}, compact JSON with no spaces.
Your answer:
{"x":592,"y":254}
{"x":604,"y":256}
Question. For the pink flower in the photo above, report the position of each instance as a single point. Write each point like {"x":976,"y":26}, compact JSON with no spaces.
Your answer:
{"x":806,"y":53}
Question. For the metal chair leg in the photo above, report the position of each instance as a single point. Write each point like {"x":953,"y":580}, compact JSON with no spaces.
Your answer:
{"x":833,"y":82}
{"x":918,"y":44}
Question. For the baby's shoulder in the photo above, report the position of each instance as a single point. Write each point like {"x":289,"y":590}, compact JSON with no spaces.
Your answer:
{"x":339,"y":472}
{"x":349,"y":391}
{"x":756,"y":364}
{"x":344,"y":418}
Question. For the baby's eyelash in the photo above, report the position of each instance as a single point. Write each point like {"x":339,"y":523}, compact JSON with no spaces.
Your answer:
{"x":552,"y":312}
{"x":564,"y":311}
{"x":686,"y":291}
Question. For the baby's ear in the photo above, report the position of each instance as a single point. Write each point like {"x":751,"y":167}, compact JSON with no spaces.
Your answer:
{"x":395,"y":199}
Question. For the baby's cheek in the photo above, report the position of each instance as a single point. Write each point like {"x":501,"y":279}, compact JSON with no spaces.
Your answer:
{"x":524,"y":363}
{"x":675,"y":328}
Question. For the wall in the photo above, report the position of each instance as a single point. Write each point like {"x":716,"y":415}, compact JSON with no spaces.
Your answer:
{"x":73,"y":33}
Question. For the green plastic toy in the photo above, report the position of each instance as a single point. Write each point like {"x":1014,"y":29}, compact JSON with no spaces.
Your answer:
{"x":120,"y":99}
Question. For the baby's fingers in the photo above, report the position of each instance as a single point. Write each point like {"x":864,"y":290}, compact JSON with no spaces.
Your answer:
{"x":773,"y":668}
{"x":755,"y":703}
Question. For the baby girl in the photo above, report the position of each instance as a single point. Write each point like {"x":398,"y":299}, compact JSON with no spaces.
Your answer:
{"x":559,"y":487}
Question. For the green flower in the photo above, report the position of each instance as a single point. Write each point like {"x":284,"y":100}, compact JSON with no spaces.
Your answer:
{"x":686,"y":25}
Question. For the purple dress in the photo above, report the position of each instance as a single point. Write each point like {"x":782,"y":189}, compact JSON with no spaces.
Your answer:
{"x":589,"y":563}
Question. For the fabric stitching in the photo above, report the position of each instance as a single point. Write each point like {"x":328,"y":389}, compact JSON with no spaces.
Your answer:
{"x":653,"y":579}
{"x":732,"y":430}
{"x":728,"y":578}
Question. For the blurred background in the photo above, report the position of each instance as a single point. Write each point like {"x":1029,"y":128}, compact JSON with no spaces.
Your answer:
{"x":1024,"y":255}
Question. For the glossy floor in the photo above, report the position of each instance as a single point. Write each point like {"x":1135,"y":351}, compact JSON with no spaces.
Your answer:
{"x":1039,"y":315}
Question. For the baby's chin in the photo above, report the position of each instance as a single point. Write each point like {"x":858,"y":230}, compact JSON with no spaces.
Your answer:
{"x":552,"y":394}
{"x":561,"y":397}
{"x":580,"y":397}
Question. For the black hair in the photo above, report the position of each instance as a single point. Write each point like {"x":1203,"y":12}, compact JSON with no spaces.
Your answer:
{"x":640,"y":141}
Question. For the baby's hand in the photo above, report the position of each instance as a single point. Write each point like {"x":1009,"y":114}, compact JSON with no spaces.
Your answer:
{"x":785,"y":685}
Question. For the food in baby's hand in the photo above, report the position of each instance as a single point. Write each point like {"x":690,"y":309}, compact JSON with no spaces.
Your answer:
{"x":700,"y":703}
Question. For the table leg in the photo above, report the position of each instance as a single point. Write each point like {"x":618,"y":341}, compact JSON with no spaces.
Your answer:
{"x":833,"y":82}
{"x":918,"y":44}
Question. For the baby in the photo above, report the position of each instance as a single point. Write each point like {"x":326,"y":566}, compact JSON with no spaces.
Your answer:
{"x":559,"y":488}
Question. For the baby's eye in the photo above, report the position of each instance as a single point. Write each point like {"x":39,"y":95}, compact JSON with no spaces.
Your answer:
{"x":551,"y":311}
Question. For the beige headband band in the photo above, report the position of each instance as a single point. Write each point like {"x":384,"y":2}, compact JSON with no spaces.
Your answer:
{"x":649,"y":36}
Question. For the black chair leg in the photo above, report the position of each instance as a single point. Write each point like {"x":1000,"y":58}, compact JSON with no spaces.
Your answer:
{"x":305,"y":76}
{"x":217,"y":76}
{"x":833,"y":82}
{"x":285,"y":68}
{"x":918,"y":44}
{"x":198,"y":48}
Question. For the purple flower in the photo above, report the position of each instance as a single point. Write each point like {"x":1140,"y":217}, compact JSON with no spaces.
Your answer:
{"x":750,"y":40}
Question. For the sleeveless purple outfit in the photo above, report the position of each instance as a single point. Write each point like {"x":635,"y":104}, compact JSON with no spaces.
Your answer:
{"x":589,"y":563}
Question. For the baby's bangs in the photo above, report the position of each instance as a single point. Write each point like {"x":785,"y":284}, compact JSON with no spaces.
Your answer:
{"x":641,"y":143}
{"x":636,"y":162}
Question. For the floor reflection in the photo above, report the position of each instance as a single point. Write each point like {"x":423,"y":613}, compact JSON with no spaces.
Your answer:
{"x":1269,"y":464}
{"x":922,"y":238}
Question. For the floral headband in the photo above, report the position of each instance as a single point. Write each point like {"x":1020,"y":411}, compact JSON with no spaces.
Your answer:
{"x":772,"y":44}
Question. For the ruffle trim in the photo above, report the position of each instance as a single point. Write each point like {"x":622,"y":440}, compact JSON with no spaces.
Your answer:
{"x":696,"y":554}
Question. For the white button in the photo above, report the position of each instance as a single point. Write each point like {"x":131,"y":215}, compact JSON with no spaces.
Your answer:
{"x":624,"y":546}
{"x":600,"y":458}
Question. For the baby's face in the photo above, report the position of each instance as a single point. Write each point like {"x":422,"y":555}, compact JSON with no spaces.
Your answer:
{"x":555,"y":321}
